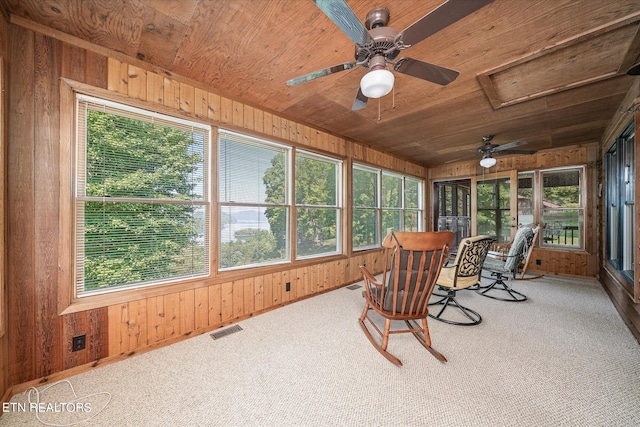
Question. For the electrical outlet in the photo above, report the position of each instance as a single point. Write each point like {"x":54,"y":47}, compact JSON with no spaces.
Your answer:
{"x":538,"y":262}
{"x":78,"y":342}
{"x":287,"y":286}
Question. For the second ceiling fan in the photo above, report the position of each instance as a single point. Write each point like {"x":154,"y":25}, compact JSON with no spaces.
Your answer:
{"x":378,"y":46}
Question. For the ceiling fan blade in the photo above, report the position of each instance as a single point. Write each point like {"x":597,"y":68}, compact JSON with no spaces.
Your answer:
{"x":439,"y":18}
{"x":517,"y":152}
{"x":425,"y":71}
{"x":360,"y":102}
{"x":459,"y":159}
{"x":345,"y":19}
{"x":509,"y":145}
{"x":321,"y":73}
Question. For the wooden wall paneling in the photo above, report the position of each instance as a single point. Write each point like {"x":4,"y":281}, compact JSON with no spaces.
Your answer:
{"x":20,"y":200}
{"x":277,"y":286}
{"x":286,"y":295}
{"x":155,"y":88}
{"x":200,"y":103}
{"x":155,"y":320}
{"x":247,"y":117}
{"x":201,"y":301}
{"x":187,"y":96}
{"x":226,"y":110}
{"x":249,"y":295}
{"x":329,"y":274}
{"x":284,"y":129}
{"x":237,"y":113}
{"x":215,"y":305}
{"x":226,"y":294}
{"x":304,"y":287}
{"x":237,"y":288}
{"x":118,"y":76}
{"x":171,"y":306}
{"x":136,"y":324}
{"x":267,"y":290}
{"x":73,"y":63}
{"x":48,"y":356}
{"x":296,"y":283}
{"x":97,"y":334}
{"x":137,"y":83}
{"x":4,"y":347}
{"x":73,"y":324}
{"x":95,"y":69}
{"x":258,"y":291}
{"x":118,"y":337}
{"x":187,"y":311}
{"x":213,"y":111}
{"x":171,"y":94}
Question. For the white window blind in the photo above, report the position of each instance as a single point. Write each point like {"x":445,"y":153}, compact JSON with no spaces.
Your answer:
{"x":254,"y":193}
{"x":142,"y":203}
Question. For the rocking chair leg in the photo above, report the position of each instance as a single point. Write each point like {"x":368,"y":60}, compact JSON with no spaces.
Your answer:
{"x":425,"y":339}
{"x":385,"y":340}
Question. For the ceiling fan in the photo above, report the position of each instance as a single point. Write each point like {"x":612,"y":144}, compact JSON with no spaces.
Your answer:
{"x":378,"y":46}
{"x":488,"y":150}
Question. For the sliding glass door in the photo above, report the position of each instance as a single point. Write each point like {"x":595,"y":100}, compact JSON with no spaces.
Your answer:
{"x":453,"y":208}
{"x":494,"y":206}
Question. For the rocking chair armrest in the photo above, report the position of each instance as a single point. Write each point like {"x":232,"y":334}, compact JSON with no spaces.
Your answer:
{"x":368,"y":277}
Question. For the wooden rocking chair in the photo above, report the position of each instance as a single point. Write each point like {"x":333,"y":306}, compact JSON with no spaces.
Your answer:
{"x":413,"y":261}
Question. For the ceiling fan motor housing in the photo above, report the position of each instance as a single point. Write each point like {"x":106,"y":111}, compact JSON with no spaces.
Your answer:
{"x":382,"y":44}
{"x":378,"y":17}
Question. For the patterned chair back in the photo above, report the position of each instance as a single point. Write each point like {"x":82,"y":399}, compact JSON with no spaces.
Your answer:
{"x":471,"y":255}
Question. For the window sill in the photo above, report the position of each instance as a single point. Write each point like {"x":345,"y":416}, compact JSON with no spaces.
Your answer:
{"x":125,"y":296}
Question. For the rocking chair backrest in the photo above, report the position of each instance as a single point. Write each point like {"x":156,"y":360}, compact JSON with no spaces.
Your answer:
{"x":416,"y":261}
{"x":519,"y":247}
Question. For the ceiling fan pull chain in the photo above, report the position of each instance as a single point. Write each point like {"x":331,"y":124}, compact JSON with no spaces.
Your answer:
{"x":393,"y":98}
{"x":379,"y":117}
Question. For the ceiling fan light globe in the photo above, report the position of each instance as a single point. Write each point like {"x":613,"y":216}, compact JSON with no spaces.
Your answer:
{"x":377,"y":83}
{"x":487,"y":162}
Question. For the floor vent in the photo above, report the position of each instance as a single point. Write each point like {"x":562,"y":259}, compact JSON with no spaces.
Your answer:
{"x":224,"y":332}
{"x":354,"y":287}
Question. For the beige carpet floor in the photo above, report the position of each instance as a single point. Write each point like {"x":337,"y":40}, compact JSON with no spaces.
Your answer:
{"x":562,"y":358}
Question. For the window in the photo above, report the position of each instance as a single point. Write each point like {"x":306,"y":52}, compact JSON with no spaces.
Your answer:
{"x":254,"y":194}
{"x":382,"y":202}
{"x":365,"y":228}
{"x":526,"y":199}
{"x":562,"y":207}
{"x":620,"y":174}
{"x":141,"y":199}
{"x":317,"y":188}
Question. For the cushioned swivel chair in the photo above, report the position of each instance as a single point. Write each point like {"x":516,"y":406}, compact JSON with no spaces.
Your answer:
{"x":413,"y":261}
{"x":507,"y":268}
{"x":464,"y":273}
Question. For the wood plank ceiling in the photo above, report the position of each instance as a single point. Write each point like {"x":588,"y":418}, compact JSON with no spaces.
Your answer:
{"x":552,"y":73}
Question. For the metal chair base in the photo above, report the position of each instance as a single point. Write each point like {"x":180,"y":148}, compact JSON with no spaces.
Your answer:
{"x":449,"y":300}
{"x":499,"y":285}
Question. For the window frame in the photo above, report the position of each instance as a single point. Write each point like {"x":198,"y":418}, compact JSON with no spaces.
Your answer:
{"x":379,"y":209}
{"x":339,"y":164}
{"x":287,"y":203}
{"x":538,"y":209}
{"x":582,"y":208}
{"x":619,"y":221}
{"x":80,"y":198}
